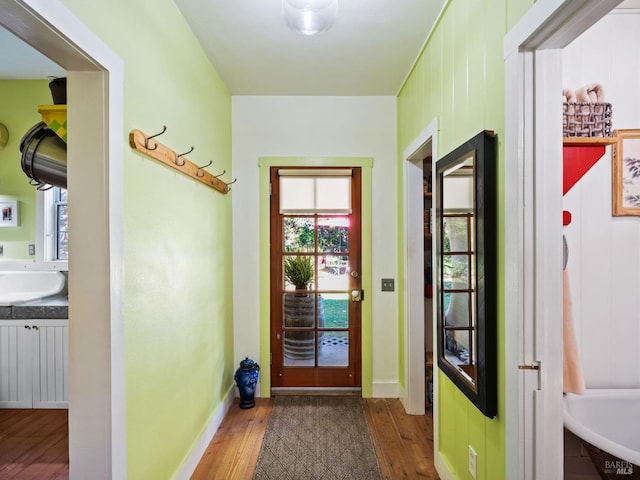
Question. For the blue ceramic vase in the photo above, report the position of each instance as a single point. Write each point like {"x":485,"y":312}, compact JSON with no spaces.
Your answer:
{"x":246,"y":378}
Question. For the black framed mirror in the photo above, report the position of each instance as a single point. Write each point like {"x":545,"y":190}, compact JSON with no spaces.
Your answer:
{"x":466,"y":256}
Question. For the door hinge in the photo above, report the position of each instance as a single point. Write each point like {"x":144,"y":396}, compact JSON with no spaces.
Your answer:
{"x":270,"y":185}
{"x":532,"y":366}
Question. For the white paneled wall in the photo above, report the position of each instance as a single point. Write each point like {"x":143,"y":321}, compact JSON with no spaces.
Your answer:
{"x":604,"y":251}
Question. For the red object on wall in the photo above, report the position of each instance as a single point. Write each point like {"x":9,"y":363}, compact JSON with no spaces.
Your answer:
{"x":577,"y":160}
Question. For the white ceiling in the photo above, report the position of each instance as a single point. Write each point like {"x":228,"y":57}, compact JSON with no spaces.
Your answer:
{"x":369,"y":51}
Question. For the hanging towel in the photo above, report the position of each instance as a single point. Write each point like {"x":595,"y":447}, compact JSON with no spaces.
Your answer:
{"x":568,"y":95}
{"x":573,"y":379}
{"x":592,"y":93}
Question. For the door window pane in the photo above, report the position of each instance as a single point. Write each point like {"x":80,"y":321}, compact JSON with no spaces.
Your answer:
{"x":333,"y":272}
{"x":333,"y":234}
{"x":299,"y":271}
{"x":299,"y":234}
{"x":333,"y":349}
{"x":335,"y":310}
{"x":299,"y":349}
{"x":299,"y":310}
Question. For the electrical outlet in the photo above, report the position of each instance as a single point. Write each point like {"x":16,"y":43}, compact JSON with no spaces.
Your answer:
{"x":473,"y":460}
{"x":388,"y":285}
{"x":32,"y":249}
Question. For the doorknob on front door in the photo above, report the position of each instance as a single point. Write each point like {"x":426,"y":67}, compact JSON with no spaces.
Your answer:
{"x":357,"y":295}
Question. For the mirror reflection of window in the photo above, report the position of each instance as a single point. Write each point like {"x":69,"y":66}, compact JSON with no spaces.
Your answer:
{"x":458,"y":266}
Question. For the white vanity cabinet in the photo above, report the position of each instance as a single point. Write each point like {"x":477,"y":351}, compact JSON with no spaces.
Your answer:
{"x":34,"y":363}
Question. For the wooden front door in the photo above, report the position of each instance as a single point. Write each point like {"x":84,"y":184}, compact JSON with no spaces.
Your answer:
{"x":315,"y":325}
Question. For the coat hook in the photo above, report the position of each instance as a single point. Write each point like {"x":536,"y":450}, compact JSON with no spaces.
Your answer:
{"x":146,"y":140}
{"x":231,"y":183}
{"x":223,"y":172}
{"x":182,"y":155}
{"x":198,"y":173}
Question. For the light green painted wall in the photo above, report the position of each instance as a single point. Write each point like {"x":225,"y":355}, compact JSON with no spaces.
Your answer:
{"x":19,"y":100}
{"x":177,"y":234}
{"x":459,"y":79}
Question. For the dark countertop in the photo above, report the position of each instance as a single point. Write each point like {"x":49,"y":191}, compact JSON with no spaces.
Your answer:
{"x":44,"y":308}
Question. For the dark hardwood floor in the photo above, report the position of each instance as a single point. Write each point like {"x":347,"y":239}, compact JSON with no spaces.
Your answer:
{"x":34,"y":443}
{"x":403,"y":443}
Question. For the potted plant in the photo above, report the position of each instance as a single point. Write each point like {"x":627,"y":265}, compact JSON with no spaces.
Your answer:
{"x":300,"y":307}
{"x":298,"y":271}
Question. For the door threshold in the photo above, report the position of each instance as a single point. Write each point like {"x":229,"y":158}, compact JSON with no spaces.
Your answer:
{"x":316,"y":391}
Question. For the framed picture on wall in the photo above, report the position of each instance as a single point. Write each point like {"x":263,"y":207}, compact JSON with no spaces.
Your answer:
{"x":626,"y":173}
{"x":8,"y":213}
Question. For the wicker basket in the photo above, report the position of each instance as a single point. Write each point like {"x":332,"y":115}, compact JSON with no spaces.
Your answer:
{"x":586,"y":119}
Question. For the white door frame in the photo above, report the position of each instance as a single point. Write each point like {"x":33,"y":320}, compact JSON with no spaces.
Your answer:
{"x":533,"y":226}
{"x":97,"y":422}
{"x":413,"y":396}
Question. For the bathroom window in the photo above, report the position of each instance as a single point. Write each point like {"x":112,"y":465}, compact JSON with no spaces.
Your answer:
{"x":61,"y":224}
{"x":55,"y":226}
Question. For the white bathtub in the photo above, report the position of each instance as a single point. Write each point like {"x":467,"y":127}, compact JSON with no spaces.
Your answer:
{"x":607,"y":419}
{"x":20,"y":287}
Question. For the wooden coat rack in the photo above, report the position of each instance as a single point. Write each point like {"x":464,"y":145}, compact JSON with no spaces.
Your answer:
{"x":156,"y":150}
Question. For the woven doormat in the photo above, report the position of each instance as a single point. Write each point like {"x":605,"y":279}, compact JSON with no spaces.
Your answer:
{"x":317,"y":438}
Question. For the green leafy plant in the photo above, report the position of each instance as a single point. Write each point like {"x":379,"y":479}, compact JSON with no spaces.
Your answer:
{"x":299,"y":270}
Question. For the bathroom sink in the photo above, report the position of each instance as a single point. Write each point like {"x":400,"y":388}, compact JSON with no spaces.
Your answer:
{"x":20,"y":287}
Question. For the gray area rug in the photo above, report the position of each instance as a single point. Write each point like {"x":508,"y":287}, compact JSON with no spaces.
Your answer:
{"x":319,"y":438}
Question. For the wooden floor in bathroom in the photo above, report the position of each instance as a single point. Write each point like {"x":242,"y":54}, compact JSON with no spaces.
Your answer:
{"x":34,"y":444}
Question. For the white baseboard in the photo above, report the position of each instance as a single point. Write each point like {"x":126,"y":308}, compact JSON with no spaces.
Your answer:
{"x":385,"y":390}
{"x":442,"y":467}
{"x":190,"y":464}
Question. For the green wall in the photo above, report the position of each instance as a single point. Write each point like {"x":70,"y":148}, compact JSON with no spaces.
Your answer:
{"x":19,"y":100}
{"x":177,"y":234}
{"x":459,"y":79}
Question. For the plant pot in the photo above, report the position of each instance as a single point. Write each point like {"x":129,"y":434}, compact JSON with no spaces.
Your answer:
{"x":299,"y":312}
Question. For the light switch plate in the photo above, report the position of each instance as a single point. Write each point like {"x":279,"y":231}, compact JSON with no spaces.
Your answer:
{"x":388,"y":285}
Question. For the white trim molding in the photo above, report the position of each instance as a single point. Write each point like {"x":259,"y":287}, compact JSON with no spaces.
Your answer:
{"x":533,"y":226}
{"x":413,"y":396}
{"x":389,"y":389}
{"x":192,"y":461}
{"x":97,"y":413}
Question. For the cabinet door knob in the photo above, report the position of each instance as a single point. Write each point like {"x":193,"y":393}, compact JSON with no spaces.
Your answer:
{"x":27,"y":327}
{"x":35,"y":327}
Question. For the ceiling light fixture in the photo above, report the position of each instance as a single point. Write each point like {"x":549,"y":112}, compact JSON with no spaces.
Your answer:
{"x":309,"y":17}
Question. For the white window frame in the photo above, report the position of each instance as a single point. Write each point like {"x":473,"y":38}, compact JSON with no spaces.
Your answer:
{"x":46,"y":234}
